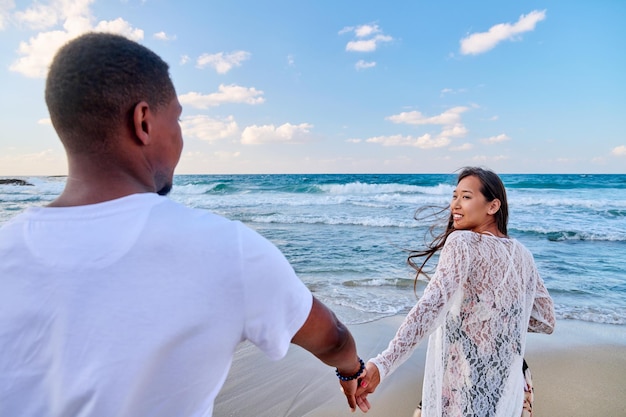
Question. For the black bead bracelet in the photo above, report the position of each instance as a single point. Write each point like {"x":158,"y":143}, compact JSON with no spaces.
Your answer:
{"x":355,"y":376}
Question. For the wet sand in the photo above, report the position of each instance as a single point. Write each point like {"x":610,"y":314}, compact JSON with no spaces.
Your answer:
{"x":580,"y":370}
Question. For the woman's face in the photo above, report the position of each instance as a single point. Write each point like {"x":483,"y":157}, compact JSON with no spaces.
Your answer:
{"x":469,"y":207}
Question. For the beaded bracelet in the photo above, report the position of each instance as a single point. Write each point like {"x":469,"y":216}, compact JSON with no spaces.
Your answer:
{"x":355,"y":376}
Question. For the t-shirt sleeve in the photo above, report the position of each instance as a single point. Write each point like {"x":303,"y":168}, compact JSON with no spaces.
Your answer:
{"x":277,"y":303}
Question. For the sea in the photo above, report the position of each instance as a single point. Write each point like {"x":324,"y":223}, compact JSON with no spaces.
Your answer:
{"x":347,"y":235}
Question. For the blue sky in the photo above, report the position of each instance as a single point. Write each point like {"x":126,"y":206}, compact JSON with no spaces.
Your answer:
{"x":348,"y":86}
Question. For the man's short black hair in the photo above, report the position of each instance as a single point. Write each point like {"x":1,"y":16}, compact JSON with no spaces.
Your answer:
{"x":94,"y":83}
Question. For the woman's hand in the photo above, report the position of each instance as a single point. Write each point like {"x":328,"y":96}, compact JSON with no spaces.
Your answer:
{"x":367,"y":385}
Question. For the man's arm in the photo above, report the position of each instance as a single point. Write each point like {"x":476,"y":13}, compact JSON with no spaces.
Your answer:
{"x":329,"y":340}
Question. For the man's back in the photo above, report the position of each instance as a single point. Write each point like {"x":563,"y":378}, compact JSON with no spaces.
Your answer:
{"x":134,"y":307}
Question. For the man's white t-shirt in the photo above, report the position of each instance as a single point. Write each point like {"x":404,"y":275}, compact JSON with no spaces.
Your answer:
{"x":134,"y":307}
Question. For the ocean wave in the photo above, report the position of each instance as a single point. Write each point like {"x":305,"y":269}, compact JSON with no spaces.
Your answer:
{"x":365,"y":307}
{"x":588,"y":202}
{"x":615,"y":213}
{"x":590,"y":314}
{"x":565,"y":235}
{"x":352,"y":188}
{"x":203,"y":188}
{"x":571,"y":235}
{"x":21,"y":198}
{"x":333,"y":221}
{"x":381,"y":282}
{"x":394,"y":188}
{"x":564,"y":182}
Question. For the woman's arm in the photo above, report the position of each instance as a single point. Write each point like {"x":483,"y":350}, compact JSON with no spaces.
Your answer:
{"x":542,"y":315}
{"x":431,"y":309}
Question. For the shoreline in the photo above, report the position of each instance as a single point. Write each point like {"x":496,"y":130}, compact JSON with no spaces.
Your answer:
{"x":579,"y":370}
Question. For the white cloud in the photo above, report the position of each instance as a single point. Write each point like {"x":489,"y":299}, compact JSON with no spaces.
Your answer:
{"x":37,"y":53}
{"x":206,"y":128}
{"x":367,"y":45}
{"x":483,"y":159}
{"x":366,"y":30}
{"x":461,"y":148}
{"x":619,"y":150}
{"x":346,"y":29}
{"x":76,"y":19}
{"x":44,"y":16}
{"x":45,"y":121}
{"x":368,"y":37}
{"x":360,"y":65}
{"x":449,"y":120}
{"x":423,"y":142}
{"x":121,"y":27}
{"x":221,"y":62}
{"x":496,"y":139}
{"x":38,"y":16}
{"x":184,"y":59}
{"x":37,"y":163}
{"x":453,"y":91}
{"x":5,"y":8}
{"x":291,"y":60}
{"x":225,"y":94}
{"x":449,"y":117}
{"x":223,"y":155}
{"x":162,"y":36}
{"x":361,"y":31}
{"x":477,"y":43}
{"x":254,"y":135}
{"x":454,"y":131}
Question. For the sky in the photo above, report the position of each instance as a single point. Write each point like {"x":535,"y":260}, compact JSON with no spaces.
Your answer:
{"x":346,"y":86}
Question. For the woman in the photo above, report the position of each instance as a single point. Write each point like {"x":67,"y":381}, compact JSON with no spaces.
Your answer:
{"x":483,"y":297}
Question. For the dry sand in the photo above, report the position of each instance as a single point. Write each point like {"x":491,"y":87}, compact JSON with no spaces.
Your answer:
{"x":580,"y":370}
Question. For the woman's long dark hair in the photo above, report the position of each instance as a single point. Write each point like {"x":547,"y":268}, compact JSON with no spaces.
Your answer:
{"x":491,"y":187}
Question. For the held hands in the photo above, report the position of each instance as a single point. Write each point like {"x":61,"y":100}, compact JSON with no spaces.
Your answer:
{"x":367,"y":385}
{"x":357,"y":390}
{"x":349,"y":384}
{"x":349,"y":389}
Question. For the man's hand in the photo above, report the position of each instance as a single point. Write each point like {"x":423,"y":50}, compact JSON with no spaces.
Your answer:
{"x":349,"y":389}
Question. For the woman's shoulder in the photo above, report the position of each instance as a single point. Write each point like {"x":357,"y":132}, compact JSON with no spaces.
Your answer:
{"x":470,"y":238}
{"x":473,"y":239}
{"x":461,"y":235}
{"x":460,"y":238}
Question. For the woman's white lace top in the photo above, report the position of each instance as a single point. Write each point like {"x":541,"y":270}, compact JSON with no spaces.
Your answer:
{"x":485,"y":295}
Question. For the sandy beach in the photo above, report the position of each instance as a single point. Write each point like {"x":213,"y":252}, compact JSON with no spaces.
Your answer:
{"x":580,"y":370}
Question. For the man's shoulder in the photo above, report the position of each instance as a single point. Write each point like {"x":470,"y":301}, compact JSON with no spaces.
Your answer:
{"x":180,"y":213}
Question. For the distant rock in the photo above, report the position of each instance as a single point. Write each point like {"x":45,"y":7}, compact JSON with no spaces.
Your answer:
{"x":13,"y":181}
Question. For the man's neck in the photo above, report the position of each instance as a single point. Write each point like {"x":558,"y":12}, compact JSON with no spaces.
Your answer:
{"x":91,"y":186}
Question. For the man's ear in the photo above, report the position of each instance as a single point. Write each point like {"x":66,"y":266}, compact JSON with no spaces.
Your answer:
{"x":494,"y":206}
{"x":142,"y":122}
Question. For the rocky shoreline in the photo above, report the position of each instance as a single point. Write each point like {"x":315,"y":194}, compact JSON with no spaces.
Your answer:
{"x":14,"y":181}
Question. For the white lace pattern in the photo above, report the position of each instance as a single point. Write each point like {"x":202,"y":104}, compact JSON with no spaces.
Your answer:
{"x":484,"y":296}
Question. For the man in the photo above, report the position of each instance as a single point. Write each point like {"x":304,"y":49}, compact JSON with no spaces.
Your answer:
{"x":116,"y":301}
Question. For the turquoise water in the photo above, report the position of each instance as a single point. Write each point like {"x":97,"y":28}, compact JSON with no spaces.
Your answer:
{"x":346,"y":235}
